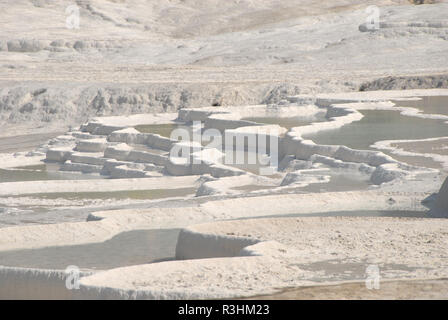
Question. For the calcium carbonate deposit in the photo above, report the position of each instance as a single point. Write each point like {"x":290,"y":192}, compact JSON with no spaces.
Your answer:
{"x":186,"y":150}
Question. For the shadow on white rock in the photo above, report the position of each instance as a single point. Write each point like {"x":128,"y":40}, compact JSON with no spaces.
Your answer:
{"x":440,"y":209}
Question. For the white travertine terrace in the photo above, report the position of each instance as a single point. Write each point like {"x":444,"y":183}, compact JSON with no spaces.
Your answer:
{"x":111,"y":149}
{"x":104,"y":225}
{"x":246,"y":256}
{"x":166,"y":59}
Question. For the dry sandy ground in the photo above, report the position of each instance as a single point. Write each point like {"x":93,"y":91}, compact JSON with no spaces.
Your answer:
{"x":389,"y":290}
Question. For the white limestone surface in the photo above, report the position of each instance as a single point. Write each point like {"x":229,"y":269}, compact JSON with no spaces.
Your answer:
{"x":270,"y":254}
{"x":96,"y":185}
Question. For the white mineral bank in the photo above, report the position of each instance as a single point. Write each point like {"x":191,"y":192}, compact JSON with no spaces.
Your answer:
{"x":275,"y":253}
{"x":399,"y":194}
{"x":159,"y":56}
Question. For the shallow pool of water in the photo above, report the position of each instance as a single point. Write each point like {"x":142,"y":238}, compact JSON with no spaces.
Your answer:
{"x":32,"y":215}
{"x":125,"y":249}
{"x":287,"y":123}
{"x":380,"y":125}
{"x":25,"y":142}
{"x":340,"y":182}
{"x":439,"y":146}
{"x":42,"y":174}
{"x":118,"y":195}
{"x":427,"y":105}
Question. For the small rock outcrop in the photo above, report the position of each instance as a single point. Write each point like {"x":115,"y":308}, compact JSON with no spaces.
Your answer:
{"x":440,"y":209}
